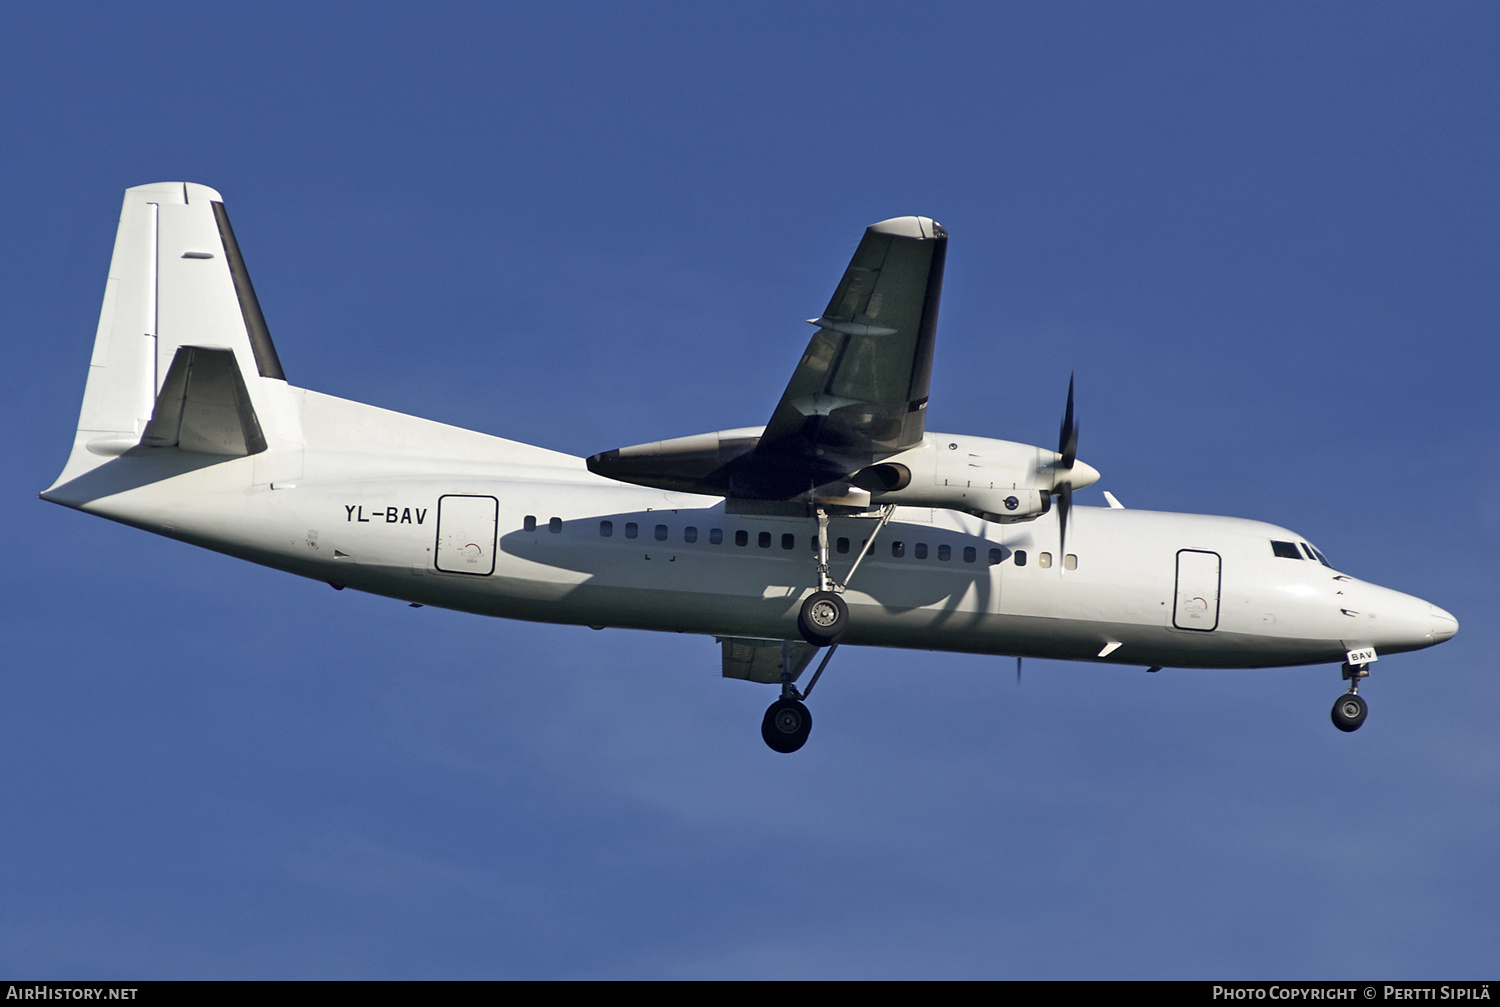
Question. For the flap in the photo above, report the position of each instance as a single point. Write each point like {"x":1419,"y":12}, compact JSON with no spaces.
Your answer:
{"x":758,"y":660}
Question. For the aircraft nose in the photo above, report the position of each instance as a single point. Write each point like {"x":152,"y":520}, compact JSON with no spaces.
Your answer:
{"x":1443,"y":624}
{"x":1398,"y":622}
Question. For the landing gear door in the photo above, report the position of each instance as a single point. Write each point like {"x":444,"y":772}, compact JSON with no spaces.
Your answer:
{"x":466,"y":534}
{"x":1197,"y":605}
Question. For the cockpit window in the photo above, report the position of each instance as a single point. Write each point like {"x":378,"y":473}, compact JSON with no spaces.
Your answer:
{"x":1286,"y":550}
{"x":1315,"y":554}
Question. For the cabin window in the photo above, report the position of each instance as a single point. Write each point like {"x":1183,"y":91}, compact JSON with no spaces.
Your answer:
{"x":1070,"y":562}
{"x":898,"y":549}
{"x":1286,"y":550}
{"x":1020,"y":556}
{"x":661,"y":533}
{"x":716,"y":536}
{"x":970,"y":554}
{"x":763,"y":540}
{"x":945,"y":552}
{"x":606,"y":529}
{"x":921,"y":550}
{"x":742,"y":537}
{"x":529,"y":522}
{"x":788,"y":541}
{"x":632,"y":529}
{"x":1044,"y":560}
{"x":690,"y":534}
{"x":841,"y":546}
{"x":555,"y":525}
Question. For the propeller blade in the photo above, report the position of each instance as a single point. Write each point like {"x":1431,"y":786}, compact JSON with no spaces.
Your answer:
{"x":1067,"y":446}
{"x":1064,"y":502}
{"x":1067,"y":437}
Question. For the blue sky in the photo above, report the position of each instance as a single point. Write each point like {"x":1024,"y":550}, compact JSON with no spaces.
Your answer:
{"x":1265,"y":237}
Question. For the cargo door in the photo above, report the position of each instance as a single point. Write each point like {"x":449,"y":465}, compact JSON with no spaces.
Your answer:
{"x":1197,"y":605}
{"x":466,"y":534}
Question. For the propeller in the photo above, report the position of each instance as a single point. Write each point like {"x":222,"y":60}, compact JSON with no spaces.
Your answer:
{"x":1062,"y":480}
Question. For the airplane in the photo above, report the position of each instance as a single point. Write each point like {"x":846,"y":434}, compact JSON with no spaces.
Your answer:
{"x":842,"y":521}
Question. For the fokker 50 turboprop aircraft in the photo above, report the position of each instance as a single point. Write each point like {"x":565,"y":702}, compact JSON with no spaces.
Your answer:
{"x":843,"y":519}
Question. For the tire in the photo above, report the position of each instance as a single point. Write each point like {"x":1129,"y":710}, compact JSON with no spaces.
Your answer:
{"x":1349,"y":712}
{"x":786,"y":726}
{"x":823,"y":619}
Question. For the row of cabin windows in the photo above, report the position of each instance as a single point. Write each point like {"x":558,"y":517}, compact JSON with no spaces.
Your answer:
{"x":789,"y":542}
{"x":1043,"y":559}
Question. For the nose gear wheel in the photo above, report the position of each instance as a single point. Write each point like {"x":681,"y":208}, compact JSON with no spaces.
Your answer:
{"x":1349,"y":712}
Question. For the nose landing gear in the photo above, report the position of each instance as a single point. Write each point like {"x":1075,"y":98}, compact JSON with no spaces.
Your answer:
{"x":1350,"y":710}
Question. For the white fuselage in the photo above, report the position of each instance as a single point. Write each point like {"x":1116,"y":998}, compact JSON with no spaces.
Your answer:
{"x":375,"y":500}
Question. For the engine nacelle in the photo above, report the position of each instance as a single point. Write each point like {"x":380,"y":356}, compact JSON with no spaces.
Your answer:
{"x":991,"y":479}
{"x":995,"y":505}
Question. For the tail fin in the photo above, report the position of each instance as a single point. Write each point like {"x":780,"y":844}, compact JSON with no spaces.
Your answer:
{"x":179,"y":298}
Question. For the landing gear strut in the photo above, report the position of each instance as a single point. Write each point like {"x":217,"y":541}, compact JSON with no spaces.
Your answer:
{"x":1350,"y":710}
{"x":824,"y":616}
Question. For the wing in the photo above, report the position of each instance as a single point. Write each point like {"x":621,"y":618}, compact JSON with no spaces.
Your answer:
{"x":860,"y":390}
{"x":858,"y":394}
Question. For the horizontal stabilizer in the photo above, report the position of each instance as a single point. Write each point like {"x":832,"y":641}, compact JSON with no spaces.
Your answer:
{"x":204,"y":406}
{"x":756,"y":660}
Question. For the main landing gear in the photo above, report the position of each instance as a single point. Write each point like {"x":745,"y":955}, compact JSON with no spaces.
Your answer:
{"x":788,"y":722}
{"x":786,"y":725}
{"x":824,"y":616}
{"x":1350,"y":710}
{"x":821,"y":621}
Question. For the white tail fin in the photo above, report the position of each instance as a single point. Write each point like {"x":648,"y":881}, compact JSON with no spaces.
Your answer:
{"x":176,"y":281}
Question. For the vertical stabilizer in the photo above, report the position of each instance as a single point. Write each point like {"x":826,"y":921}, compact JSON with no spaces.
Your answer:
{"x":178,"y":280}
